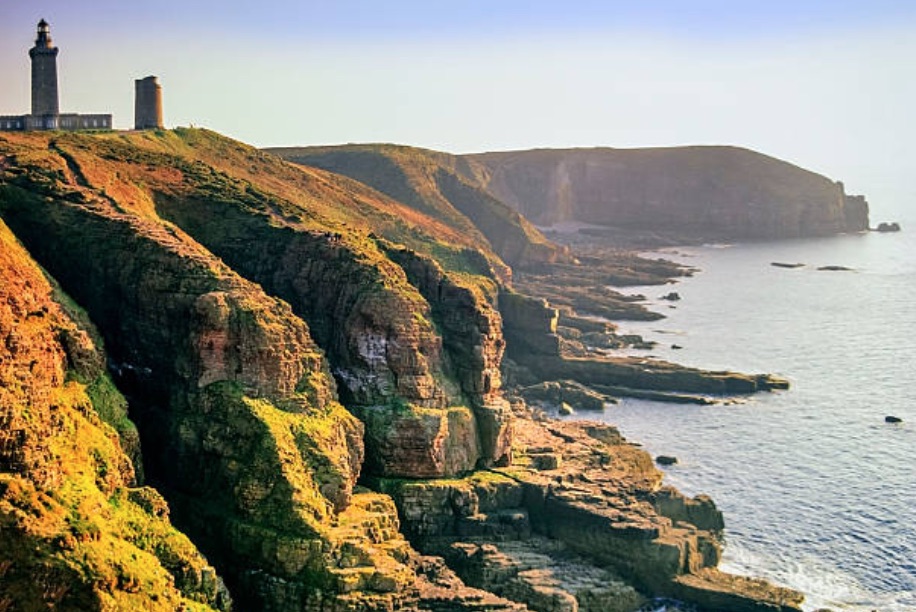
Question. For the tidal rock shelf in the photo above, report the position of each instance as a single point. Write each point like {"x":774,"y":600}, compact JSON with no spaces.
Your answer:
{"x":575,"y":523}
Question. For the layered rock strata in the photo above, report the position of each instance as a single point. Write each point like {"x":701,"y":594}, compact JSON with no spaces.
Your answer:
{"x":238,"y":416}
{"x":416,"y":349}
{"x":598,"y":502}
{"x":531,"y":331}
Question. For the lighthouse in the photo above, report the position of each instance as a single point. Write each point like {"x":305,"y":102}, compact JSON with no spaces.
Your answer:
{"x":46,"y":113}
{"x":45,"y":102}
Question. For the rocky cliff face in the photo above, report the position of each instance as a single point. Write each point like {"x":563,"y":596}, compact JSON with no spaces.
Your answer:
{"x":415,"y":345}
{"x":235,"y":401}
{"x":76,"y":531}
{"x":714,"y":192}
{"x":239,"y":420}
{"x":277,"y":333}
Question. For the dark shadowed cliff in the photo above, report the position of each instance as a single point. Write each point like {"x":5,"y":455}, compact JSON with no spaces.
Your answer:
{"x":718,"y":192}
{"x":228,"y":380}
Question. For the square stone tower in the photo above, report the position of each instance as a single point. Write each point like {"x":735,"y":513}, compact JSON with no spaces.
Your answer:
{"x":148,"y":104}
{"x":44,"y":74}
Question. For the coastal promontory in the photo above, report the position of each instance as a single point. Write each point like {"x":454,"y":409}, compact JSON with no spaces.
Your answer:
{"x":234,"y":382}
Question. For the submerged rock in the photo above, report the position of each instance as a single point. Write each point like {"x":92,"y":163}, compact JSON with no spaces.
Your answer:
{"x":780,"y":264}
{"x":835,"y":269}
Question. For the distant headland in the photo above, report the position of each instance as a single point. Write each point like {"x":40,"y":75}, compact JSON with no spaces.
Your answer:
{"x":629,"y":197}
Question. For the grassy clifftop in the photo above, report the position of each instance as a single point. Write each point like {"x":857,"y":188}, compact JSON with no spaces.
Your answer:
{"x":206,"y":266}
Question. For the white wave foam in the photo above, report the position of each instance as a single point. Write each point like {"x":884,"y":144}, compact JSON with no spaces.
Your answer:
{"x":824,"y":586}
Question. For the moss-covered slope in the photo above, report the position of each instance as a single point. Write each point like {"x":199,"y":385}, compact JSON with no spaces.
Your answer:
{"x":276,"y":332}
{"x":235,"y":402}
{"x":238,"y":416}
{"x":75,"y":530}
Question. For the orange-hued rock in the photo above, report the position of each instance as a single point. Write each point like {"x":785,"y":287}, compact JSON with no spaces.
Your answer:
{"x":238,"y":415}
{"x":709,"y":192}
{"x":241,"y":426}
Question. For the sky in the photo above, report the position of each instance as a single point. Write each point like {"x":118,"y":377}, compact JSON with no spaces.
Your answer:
{"x":829,"y":86}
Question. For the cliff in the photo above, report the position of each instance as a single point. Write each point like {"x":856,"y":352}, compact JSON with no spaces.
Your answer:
{"x":238,"y":412}
{"x":433,"y":183}
{"x":76,"y":532}
{"x":707,"y":192}
{"x":283,"y":337}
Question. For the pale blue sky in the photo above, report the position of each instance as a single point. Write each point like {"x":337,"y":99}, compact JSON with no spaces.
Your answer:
{"x":827,"y":85}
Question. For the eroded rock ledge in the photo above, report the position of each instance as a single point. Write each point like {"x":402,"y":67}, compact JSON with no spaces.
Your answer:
{"x":578,"y":521}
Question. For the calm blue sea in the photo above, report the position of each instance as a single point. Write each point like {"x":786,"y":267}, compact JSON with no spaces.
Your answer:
{"x":819,"y":494}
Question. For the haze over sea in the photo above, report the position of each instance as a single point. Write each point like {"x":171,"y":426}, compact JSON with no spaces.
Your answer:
{"x":818,"y":491}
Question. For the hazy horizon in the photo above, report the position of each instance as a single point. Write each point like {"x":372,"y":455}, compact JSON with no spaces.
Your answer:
{"x":823,"y":85}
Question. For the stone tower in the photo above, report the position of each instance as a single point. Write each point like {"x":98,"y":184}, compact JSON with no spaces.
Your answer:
{"x":148,"y":104}
{"x":44,"y":74}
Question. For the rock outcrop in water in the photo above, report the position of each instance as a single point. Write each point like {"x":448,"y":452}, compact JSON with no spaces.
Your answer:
{"x":277,"y":334}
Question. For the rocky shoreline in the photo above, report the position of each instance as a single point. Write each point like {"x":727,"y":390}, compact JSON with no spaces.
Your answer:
{"x":575,"y":523}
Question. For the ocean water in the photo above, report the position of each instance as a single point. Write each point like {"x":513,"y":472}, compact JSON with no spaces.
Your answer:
{"x":819,"y":493}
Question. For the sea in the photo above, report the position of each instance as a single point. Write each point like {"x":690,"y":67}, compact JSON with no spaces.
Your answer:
{"x":818,"y":491}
